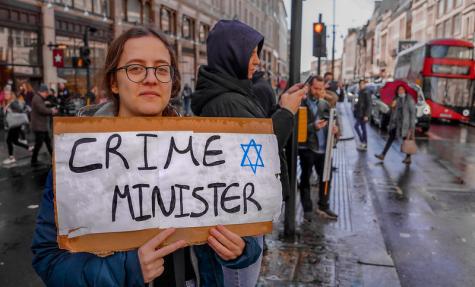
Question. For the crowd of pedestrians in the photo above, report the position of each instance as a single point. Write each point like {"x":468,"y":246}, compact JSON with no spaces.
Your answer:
{"x":26,"y":115}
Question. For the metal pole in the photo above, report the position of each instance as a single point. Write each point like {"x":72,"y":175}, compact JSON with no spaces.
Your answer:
{"x":333,"y":46}
{"x":319,"y":59}
{"x":292,"y":145}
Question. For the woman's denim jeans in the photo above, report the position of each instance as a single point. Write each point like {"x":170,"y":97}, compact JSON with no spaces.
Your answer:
{"x":246,"y":277}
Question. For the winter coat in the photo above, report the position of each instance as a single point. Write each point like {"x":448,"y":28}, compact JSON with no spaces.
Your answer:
{"x":323,"y":109}
{"x":264,"y":93}
{"x":58,"y":267}
{"x":223,"y":89}
{"x":40,"y":114}
{"x":403,"y":116}
{"x":363,"y":106}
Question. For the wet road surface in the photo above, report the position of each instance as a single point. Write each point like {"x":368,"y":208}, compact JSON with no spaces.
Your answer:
{"x":427,"y":210}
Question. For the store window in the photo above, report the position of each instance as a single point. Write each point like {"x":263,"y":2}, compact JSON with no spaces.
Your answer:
{"x":137,"y":11}
{"x":457,"y":24}
{"x":204,"y":30}
{"x":440,"y":10}
{"x":19,"y":55}
{"x":187,"y":28}
{"x":101,"y":7}
{"x":85,"y":5}
{"x":440,"y":30}
{"x":450,"y":5}
{"x":75,"y":78}
{"x":133,"y":11}
{"x":448,"y":28}
{"x":165,"y":20}
{"x":147,"y":13}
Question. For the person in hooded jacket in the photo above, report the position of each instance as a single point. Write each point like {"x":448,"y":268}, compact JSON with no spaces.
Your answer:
{"x":224,"y":89}
{"x":141,"y":75}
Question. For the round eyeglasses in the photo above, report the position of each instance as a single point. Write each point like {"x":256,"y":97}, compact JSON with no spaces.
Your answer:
{"x":137,"y":73}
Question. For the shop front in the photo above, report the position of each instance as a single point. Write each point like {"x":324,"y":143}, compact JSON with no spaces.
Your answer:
{"x":20,"y":48}
{"x":70,"y":35}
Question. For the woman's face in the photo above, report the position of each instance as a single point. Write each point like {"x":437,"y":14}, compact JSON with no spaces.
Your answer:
{"x":8,"y":95}
{"x":401,"y":90}
{"x":254,"y":63}
{"x":150,"y":96}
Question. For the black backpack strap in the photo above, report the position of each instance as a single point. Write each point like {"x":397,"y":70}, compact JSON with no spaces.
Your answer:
{"x":179,"y":267}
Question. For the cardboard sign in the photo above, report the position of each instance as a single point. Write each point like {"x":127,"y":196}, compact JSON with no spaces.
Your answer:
{"x":118,"y":181}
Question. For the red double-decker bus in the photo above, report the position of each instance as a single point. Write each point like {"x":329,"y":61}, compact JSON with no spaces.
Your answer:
{"x":445,"y":69}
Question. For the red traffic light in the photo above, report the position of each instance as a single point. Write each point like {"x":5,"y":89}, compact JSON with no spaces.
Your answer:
{"x":318,"y":27}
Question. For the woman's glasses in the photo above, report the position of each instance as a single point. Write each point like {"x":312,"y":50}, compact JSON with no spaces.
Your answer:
{"x":137,"y":73}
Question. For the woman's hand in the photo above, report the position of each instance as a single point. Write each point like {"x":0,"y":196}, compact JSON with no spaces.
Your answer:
{"x":151,"y":257}
{"x":227,"y":244}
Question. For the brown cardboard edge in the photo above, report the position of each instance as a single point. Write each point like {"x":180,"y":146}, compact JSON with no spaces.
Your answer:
{"x":196,"y":124}
{"x":123,"y":241}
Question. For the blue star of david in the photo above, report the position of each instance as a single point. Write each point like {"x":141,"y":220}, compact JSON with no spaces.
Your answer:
{"x":246,"y":160}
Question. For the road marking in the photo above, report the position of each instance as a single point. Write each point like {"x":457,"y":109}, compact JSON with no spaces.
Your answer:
{"x":33,"y":206}
{"x":434,"y":136}
{"x":404,"y":235}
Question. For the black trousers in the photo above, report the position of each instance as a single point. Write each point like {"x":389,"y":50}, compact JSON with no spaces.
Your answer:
{"x":391,"y":138}
{"x":309,"y":160}
{"x":40,"y":138}
{"x":12,"y":139}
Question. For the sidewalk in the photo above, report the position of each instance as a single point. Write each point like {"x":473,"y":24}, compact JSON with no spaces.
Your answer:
{"x":348,"y":252}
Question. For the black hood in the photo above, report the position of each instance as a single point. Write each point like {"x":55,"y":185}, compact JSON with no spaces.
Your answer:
{"x":229,"y":47}
{"x":213,"y":83}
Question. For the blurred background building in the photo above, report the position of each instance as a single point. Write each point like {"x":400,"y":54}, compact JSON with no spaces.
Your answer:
{"x":370,"y":51}
{"x":31,"y":30}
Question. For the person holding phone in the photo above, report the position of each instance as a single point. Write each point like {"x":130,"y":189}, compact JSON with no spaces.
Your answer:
{"x":312,"y":153}
{"x":224,"y":88}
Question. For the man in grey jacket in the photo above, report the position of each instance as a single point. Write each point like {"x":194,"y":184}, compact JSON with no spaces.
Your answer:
{"x":312,"y":153}
{"x":39,"y":122}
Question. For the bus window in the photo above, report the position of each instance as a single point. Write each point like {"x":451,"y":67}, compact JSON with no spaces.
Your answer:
{"x":439,"y":51}
{"x":449,"y":92}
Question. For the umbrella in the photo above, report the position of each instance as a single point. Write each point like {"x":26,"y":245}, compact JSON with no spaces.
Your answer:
{"x":388,"y":91}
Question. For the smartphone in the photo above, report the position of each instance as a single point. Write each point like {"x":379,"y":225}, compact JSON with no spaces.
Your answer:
{"x":310,"y":77}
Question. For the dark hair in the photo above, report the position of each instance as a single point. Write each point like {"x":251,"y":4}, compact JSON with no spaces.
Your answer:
{"x":328,"y":74}
{"x":317,"y":78}
{"x":115,"y":51}
{"x":405,"y":90}
{"x":361,"y":81}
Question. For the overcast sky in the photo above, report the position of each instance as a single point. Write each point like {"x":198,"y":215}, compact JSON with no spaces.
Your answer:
{"x":349,"y":13}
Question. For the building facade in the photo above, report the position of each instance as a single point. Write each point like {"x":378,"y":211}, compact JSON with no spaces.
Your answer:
{"x":349,"y":56}
{"x":403,"y":21}
{"x":30,"y":30}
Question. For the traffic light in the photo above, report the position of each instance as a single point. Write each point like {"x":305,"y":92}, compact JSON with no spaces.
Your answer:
{"x":319,"y":40}
{"x":85,"y":53}
{"x":78,"y":62}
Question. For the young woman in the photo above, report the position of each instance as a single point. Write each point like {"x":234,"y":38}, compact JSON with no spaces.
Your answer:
{"x":402,"y":122}
{"x":26,"y":91}
{"x":141,"y":75}
{"x":13,"y":105}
